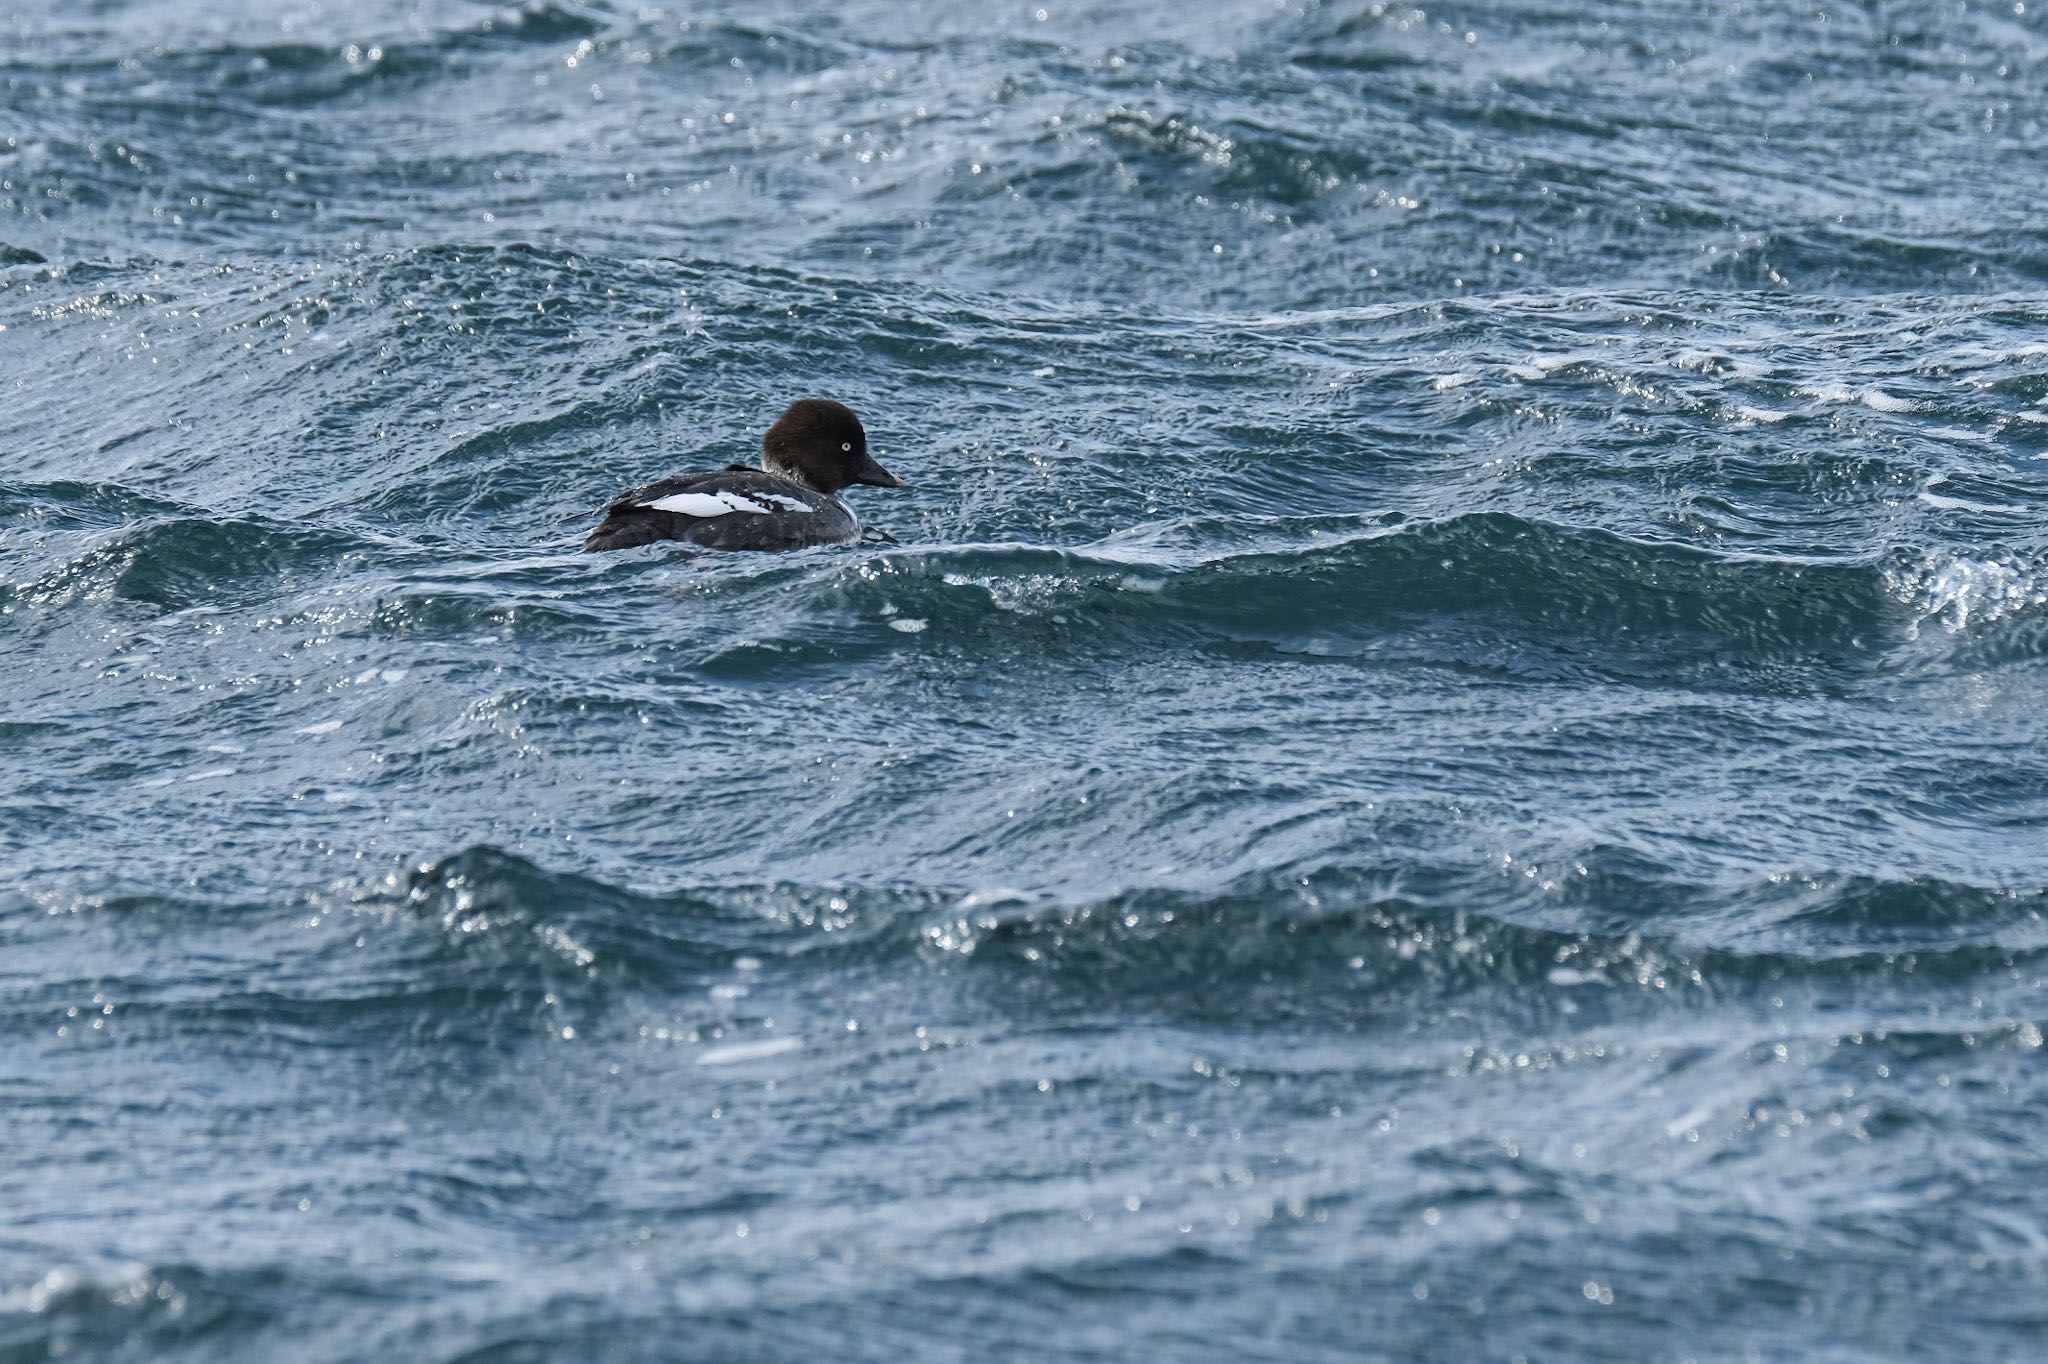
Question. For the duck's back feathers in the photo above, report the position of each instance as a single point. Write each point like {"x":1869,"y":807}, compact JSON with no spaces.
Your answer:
{"x":734,"y":508}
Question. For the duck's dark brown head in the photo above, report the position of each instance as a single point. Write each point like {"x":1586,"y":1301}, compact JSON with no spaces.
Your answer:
{"x":820,"y":444}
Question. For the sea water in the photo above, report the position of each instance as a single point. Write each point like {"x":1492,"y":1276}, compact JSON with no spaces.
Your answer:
{"x":1443,"y":757}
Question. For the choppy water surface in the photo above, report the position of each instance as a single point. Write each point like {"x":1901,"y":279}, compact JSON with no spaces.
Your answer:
{"x":1447,"y":761}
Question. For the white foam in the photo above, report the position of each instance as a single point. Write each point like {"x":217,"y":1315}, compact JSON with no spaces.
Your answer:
{"x":1829,"y":393}
{"x":732,"y":1053}
{"x":909,"y":626}
{"x":994,"y":895}
{"x":1688,"y":1122}
{"x":1955,"y":503}
{"x":324,"y":727}
{"x":1879,"y":401}
{"x":1958,"y":591}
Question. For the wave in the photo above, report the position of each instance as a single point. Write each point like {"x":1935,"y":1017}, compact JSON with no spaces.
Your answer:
{"x":306,"y":70}
{"x":176,"y":1307}
{"x":483,"y":937}
{"x":1365,"y":943}
{"x":1488,"y":591}
{"x":178,"y":562}
{"x":66,"y":504}
{"x":487,"y":919}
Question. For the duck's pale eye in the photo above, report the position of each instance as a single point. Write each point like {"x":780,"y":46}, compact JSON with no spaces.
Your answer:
{"x":847,"y":446}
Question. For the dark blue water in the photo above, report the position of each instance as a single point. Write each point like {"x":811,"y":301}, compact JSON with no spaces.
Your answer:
{"x":1448,"y":762}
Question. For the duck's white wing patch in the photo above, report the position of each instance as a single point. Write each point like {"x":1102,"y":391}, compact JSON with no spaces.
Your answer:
{"x":795,"y":504}
{"x":706,"y":504}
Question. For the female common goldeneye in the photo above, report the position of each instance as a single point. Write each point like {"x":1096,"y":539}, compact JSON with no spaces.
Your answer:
{"x":814,"y":449}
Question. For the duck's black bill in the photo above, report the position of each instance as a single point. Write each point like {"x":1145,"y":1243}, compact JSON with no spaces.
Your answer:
{"x":871,"y":472}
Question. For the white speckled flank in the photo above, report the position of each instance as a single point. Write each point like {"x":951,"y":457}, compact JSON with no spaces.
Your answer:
{"x":706,"y":504}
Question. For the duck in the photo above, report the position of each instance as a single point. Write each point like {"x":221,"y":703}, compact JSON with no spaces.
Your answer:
{"x":815,"y":449}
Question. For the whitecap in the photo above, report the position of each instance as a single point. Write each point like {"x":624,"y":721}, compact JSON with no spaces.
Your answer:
{"x":733,"y":1053}
{"x":1933,"y":499}
{"x":1957,"y":591}
{"x":1829,"y":393}
{"x":1687,"y":1122}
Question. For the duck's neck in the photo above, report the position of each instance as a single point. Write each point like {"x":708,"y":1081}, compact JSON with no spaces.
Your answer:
{"x":790,"y":472}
